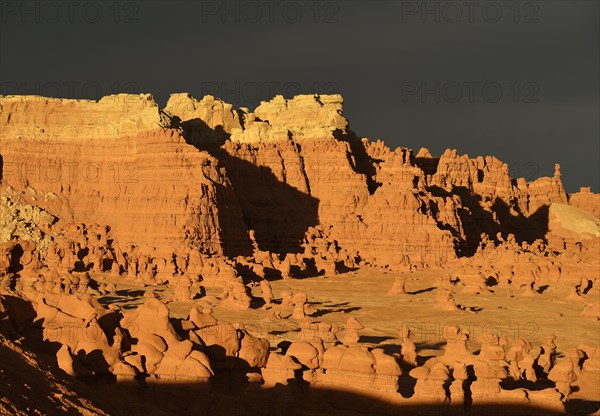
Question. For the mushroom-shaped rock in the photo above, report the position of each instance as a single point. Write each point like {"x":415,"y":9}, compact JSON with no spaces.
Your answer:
{"x":279,"y":369}
{"x":282,"y":362}
{"x":408,"y":348}
{"x":286,"y":300}
{"x":152,"y":317}
{"x":332,"y":358}
{"x":358,"y":359}
{"x":202,"y":317}
{"x":299,"y":300}
{"x":398,"y":288}
{"x":349,"y":359}
{"x":419,"y":372}
{"x":439,"y":372}
{"x":305,"y":353}
{"x":385,"y":365}
{"x":123,"y":370}
{"x":253,"y":350}
{"x":563,"y":374}
{"x":352,"y":327}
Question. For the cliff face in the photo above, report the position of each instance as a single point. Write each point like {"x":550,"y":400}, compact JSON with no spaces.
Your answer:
{"x":200,"y":175}
{"x":587,"y":200}
{"x":115,"y":162}
{"x":294,"y":164}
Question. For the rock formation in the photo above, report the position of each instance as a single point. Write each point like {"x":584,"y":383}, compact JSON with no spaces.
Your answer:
{"x":273,"y":169}
{"x":139,"y":243}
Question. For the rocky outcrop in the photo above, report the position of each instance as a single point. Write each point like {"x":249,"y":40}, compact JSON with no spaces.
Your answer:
{"x":294,"y":164}
{"x":116,"y":161}
{"x":587,"y":200}
{"x":573,"y":223}
{"x":203,"y":177}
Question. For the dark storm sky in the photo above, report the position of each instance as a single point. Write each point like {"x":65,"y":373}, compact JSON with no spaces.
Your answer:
{"x":485,"y":77}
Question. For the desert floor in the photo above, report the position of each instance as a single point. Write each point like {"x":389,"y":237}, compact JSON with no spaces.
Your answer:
{"x":363,"y":294}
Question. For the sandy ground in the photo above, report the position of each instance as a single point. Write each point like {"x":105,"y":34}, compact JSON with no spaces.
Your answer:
{"x":363,"y":294}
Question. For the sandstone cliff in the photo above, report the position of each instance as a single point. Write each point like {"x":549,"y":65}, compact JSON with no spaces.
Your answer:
{"x":587,"y":200}
{"x":203,"y":176}
{"x":115,"y":162}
